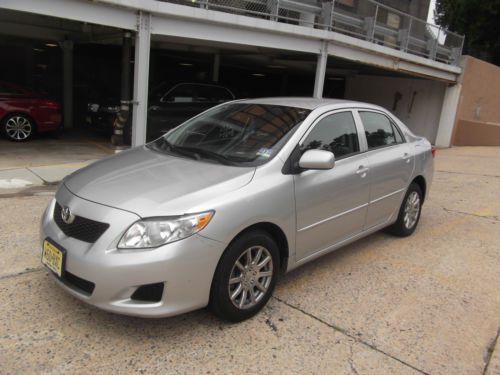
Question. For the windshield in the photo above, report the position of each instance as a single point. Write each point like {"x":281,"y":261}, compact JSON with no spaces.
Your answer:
{"x":234,"y":134}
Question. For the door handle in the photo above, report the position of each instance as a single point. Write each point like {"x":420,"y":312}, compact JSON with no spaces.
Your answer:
{"x":407,"y":157}
{"x":362,"y":171}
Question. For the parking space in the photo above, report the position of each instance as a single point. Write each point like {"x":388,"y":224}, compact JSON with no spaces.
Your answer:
{"x":427,"y":304}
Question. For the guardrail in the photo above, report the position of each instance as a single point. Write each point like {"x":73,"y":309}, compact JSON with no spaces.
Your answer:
{"x":362,"y":19}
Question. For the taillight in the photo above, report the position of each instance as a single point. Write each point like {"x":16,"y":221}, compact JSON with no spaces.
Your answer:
{"x":433,"y":151}
{"x":51,"y":104}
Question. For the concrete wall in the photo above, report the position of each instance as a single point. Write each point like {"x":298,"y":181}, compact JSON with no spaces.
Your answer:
{"x":478,"y":115}
{"x":416,"y":102}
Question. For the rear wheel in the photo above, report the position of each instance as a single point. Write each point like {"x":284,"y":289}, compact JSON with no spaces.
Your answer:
{"x":245,"y":277}
{"x":18,"y":127}
{"x":409,"y":212}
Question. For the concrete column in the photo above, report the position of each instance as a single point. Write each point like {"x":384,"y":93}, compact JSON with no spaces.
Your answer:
{"x":67,"y":48}
{"x":28,"y":65}
{"x":120,"y":131}
{"x":125,"y":78}
{"x":216,"y":68}
{"x":319,"y":81}
{"x":141,"y":77}
{"x":448,"y":115}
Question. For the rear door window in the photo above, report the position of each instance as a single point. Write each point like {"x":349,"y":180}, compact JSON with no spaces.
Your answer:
{"x":213,"y":94}
{"x":379,"y":130}
{"x":183,"y":93}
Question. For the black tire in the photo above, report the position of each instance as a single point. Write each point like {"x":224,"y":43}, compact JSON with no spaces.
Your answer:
{"x":220,"y":300}
{"x":18,"y":127}
{"x":400,"y":227}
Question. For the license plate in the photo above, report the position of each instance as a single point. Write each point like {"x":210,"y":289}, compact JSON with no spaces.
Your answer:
{"x":53,"y":257}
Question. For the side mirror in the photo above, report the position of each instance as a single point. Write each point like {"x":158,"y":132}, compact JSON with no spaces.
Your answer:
{"x":317,"y":159}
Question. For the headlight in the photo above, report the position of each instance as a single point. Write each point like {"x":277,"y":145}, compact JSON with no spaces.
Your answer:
{"x":113,"y":109}
{"x":93,"y":107}
{"x":155,"y":232}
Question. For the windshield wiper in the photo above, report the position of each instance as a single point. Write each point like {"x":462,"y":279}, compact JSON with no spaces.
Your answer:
{"x":207,"y":153}
{"x":167,"y":146}
{"x":193,"y":152}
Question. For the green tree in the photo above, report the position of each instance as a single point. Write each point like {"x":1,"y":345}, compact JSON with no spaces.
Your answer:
{"x":478,"y":20}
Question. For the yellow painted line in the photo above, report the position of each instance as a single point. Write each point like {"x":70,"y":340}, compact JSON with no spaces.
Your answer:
{"x":101,"y":147}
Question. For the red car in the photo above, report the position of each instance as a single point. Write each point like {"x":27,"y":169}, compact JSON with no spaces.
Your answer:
{"x":24,"y":112}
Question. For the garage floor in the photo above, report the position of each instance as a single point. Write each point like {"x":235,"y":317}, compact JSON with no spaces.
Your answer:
{"x":72,"y":146}
{"x":428,"y":304}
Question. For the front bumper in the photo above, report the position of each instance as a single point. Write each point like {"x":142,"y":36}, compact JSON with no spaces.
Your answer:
{"x":185,"y":267}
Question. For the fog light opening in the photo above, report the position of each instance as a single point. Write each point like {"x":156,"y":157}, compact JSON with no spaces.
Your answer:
{"x":148,"y":293}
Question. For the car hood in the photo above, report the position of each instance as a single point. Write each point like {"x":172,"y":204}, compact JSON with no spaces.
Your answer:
{"x":150,"y":183}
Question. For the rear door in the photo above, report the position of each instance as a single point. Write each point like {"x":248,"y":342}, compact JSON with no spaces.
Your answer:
{"x":391,"y":165}
{"x":331,"y":204}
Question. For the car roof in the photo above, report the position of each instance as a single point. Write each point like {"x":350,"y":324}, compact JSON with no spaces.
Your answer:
{"x":305,"y":102}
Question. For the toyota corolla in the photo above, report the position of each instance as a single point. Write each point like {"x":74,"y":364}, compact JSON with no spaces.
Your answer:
{"x":211,"y":213}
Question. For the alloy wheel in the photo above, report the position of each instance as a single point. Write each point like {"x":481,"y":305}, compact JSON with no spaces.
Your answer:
{"x":18,"y":128}
{"x":250,"y":277}
{"x":412,"y":210}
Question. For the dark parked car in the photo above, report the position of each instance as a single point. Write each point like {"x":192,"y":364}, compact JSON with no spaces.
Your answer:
{"x":169,"y":106}
{"x":23,"y":112}
{"x":101,"y":114}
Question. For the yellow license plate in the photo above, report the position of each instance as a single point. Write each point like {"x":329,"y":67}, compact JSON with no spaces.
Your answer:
{"x":53,"y":258}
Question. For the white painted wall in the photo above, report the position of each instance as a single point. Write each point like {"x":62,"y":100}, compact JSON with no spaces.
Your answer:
{"x":422,"y":117}
{"x":448,"y":115}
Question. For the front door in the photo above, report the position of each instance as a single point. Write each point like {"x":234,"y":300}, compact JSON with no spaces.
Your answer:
{"x":331,"y":204}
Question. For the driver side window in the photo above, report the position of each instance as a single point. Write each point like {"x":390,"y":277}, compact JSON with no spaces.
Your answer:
{"x":336,"y":133}
{"x":183,"y":93}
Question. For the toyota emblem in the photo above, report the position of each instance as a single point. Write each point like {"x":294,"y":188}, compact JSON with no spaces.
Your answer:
{"x":67,"y":216}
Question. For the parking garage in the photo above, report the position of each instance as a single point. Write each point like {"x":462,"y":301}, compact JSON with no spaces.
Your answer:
{"x":92,"y":68}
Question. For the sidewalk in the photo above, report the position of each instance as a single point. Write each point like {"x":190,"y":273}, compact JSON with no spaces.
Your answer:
{"x":11,"y":180}
{"x":45,"y":161}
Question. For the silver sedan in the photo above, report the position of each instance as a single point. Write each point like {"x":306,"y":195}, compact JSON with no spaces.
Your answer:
{"x":214,"y":211}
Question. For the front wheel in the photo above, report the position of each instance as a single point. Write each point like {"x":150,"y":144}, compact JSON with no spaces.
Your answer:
{"x":245,"y":277}
{"x":409,"y":212}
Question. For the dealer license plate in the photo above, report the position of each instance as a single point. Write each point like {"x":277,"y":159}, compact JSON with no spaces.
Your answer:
{"x":53,"y":257}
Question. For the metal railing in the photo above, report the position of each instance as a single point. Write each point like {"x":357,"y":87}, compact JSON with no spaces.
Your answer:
{"x":363,"y":19}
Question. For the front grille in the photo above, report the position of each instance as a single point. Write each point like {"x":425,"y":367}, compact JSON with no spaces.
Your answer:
{"x":81,"y":228}
{"x":81,"y":285}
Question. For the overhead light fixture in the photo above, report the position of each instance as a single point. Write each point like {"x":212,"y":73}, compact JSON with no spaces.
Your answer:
{"x":51,"y":45}
{"x":258,"y":75}
{"x":336,"y":78}
{"x":37,"y":49}
{"x":185,"y":64}
{"x":276,"y":66}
